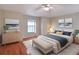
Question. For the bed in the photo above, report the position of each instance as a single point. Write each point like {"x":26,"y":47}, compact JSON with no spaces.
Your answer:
{"x":49,"y":42}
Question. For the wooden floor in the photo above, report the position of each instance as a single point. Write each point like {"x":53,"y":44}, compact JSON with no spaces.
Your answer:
{"x":13,"y":49}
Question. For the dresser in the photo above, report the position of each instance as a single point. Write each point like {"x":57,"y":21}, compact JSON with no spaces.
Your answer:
{"x":10,"y":37}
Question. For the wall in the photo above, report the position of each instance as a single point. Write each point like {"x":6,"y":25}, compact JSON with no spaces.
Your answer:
{"x":38,"y":27}
{"x":12,"y":15}
{"x":45,"y":23}
{"x":75,"y":18}
{"x":23,"y":21}
{"x":0,"y":23}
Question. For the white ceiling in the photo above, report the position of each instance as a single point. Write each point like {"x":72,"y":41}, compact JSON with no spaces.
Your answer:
{"x":30,"y":9}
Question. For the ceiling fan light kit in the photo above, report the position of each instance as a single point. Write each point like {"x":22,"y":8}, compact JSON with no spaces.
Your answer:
{"x":46,"y":7}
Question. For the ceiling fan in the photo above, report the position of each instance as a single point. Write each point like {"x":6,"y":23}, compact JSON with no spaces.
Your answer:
{"x":45,"y":7}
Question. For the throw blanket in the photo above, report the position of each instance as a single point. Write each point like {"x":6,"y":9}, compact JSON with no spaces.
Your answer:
{"x":63,"y":41}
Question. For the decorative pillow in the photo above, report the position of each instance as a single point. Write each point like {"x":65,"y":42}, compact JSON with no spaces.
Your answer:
{"x":67,"y":33}
{"x":57,"y":31}
{"x":60,"y":33}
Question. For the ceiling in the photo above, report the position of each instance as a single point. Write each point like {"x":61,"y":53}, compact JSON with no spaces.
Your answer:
{"x":31,"y":9}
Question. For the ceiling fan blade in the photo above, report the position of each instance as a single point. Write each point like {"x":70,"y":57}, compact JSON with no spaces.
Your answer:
{"x":45,"y":6}
{"x":38,"y":8}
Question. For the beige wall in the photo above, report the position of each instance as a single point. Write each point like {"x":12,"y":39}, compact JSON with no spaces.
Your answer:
{"x":75,"y":18}
{"x":42,"y":26}
{"x":21,"y":18}
{"x":38,"y":27}
{"x":45,"y":23}
{"x":0,"y":23}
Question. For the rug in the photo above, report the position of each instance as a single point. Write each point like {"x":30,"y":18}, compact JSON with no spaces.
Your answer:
{"x":73,"y":49}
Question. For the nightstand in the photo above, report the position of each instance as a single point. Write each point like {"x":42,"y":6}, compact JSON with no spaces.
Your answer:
{"x":77,"y":40}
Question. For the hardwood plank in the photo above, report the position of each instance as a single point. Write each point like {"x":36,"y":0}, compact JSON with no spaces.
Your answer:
{"x":13,"y":49}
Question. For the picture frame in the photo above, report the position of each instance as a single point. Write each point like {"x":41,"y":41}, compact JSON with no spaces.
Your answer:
{"x":68,"y":23}
{"x":65,"y":23}
{"x":61,"y":23}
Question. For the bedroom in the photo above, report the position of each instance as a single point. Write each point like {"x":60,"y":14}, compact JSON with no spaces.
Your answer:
{"x":28,"y":22}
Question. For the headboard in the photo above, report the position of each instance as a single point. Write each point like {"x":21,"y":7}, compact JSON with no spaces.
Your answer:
{"x":68,"y":30}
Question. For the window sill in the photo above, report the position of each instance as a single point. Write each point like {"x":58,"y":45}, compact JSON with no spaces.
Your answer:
{"x":31,"y":32}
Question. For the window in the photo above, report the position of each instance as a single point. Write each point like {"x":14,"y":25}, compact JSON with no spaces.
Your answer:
{"x":31,"y":26}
